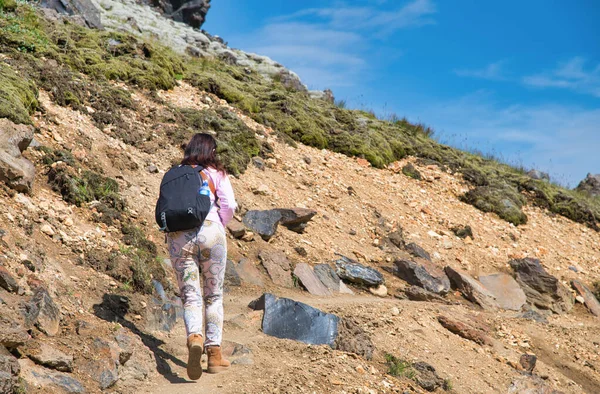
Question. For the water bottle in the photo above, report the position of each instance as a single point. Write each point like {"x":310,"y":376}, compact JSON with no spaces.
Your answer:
{"x":204,"y":190}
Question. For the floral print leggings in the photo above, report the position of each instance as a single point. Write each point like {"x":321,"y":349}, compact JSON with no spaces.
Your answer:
{"x":204,"y":248}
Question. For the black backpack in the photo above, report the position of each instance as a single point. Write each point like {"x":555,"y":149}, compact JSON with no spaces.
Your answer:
{"x":180,"y":206}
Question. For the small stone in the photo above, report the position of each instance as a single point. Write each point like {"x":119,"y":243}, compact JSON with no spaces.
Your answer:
{"x":356,"y":273}
{"x":395,"y":311}
{"x":236,"y":228}
{"x":262,"y":190}
{"x":301,"y":251}
{"x":258,"y":163}
{"x":7,"y":282}
{"x":580,"y":299}
{"x":307,"y":159}
{"x":68,"y":222}
{"x":379,"y":291}
{"x":528,"y":362}
{"x":47,"y":229}
{"x":152,"y":169}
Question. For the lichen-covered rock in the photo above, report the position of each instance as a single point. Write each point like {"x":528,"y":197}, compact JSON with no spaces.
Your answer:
{"x":353,"y":272}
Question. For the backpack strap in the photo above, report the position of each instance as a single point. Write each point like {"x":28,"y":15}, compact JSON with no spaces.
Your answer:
{"x":211,"y":184}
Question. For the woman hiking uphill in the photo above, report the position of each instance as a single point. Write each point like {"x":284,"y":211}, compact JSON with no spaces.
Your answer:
{"x":204,"y":249}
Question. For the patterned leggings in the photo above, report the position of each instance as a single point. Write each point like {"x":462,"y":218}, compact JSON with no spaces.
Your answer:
{"x":206,"y":248}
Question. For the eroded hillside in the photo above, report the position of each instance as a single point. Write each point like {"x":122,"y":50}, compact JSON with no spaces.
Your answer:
{"x":80,"y":251}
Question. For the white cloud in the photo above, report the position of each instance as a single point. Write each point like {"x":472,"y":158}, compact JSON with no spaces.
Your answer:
{"x":330,"y":47}
{"x":571,"y":75}
{"x":493,"y":71}
{"x":560,"y":139}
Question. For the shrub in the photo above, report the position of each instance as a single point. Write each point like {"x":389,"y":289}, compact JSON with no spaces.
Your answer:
{"x":399,"y":368}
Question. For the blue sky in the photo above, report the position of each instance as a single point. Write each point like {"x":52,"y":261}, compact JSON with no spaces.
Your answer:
{"x":519,"y":79}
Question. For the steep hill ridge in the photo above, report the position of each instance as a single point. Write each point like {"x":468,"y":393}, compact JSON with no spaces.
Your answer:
{"x":86,"y":235}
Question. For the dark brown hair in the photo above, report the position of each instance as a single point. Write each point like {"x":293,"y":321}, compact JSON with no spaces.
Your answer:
{"x":202,"y":151}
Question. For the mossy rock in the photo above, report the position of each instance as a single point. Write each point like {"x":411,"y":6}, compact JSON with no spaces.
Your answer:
{"x":503,"y":200}
{"x":8,"y":5}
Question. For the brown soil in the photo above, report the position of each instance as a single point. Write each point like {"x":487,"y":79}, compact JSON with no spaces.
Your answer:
{"x":357,"y":207}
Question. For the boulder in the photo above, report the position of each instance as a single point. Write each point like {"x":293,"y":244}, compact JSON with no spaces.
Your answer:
{"x":7,"y":282}
{"x":410,"y":171}
{"x":330,"y":279}
{"x":49,"y":357}
{"x":465,"y":330}
{"x":506,"y":290}
{"x":353,"y":272}
{"x":15,"y":170}
{"x":417,"y":251}
{"x":416,"y":293}
{"x":289,"y":319}
{"x":589,"y":298}
{"x":543,"y":290}
{"x":427,"y":377}
{"x":12,"y":334}
{"x":47,"y":380}
{"x":190,"y":12}
{"x":232,"y":279}
{"x":278,"y":267}
{"x":9,"y":371}
{"x":264,"y":223}
{"x":248,"y":273}
{"x":470,"y":288}
{"x":424,"y":274}
{"x":83,"y":8}
{"x":296,"y":219}
{"x":538,"y":175}
{"x":102,"y":367}
{"x":591,"y":185}
{"x":43,"y":313}
{"x":310,"y":281}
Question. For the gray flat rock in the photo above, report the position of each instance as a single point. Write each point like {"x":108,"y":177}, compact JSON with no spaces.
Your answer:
{"x":310,"y":281}
{"x":507,"y":291}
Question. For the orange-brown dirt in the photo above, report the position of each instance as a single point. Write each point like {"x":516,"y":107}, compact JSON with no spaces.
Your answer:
{"x":353,"y":223}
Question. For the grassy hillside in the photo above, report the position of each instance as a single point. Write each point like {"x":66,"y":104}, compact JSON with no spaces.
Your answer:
{"x":76,"y":65}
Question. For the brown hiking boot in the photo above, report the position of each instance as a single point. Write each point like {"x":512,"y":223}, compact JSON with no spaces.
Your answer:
{"x":195,"y":345}
{"x":216,"y":362}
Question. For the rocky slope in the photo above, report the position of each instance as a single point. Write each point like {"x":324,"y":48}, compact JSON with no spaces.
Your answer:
{"x":80,"y":256}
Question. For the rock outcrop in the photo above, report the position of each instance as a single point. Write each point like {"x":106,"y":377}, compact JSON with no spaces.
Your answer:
{"x":190,"y":12}
{"x":591,"y":185}
{"x":15,"y":170}
{"x":82,"y":8}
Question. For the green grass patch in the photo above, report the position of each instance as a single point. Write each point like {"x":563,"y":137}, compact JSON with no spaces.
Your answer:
{"x":18,"y":96}
{"x":399,"y":368}
{"x":86,"y":187}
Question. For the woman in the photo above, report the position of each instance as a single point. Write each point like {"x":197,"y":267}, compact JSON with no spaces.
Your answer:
{"x":204,"y":247}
